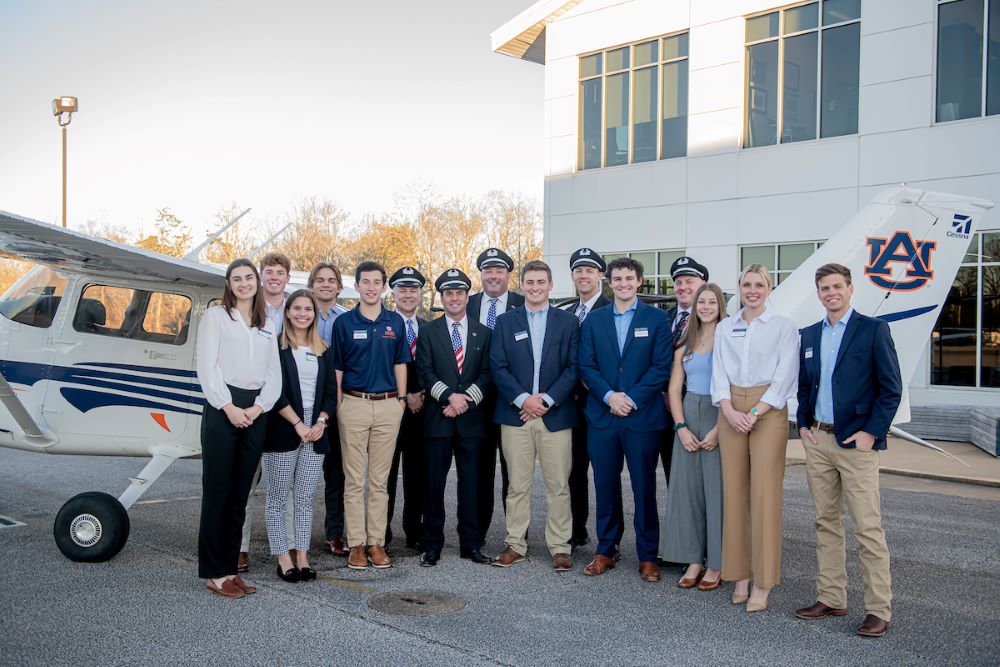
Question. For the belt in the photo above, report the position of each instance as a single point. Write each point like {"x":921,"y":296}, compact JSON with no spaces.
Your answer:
{"x":823,"y":426}
{"x":371,"y":397}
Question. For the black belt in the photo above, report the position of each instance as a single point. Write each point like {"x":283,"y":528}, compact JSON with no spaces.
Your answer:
{"x":823,"y":426}
{"x":372,"y":397}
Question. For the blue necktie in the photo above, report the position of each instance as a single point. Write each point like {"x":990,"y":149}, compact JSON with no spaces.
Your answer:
{"x":411,"y":338}
{"x":581,"y":312}
{"x":491,"y":314}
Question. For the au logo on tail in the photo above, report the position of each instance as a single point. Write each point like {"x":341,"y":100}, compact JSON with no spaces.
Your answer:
{"x":904,"y":249}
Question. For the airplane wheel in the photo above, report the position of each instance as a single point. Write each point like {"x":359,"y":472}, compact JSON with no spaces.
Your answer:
{"x":91,"y":527}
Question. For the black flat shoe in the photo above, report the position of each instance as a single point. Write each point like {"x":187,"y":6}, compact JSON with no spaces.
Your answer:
{"x":429,"y":558}
{"x":292,"y":576}
{"x":307,"y":574}
{"x":477,"y":556}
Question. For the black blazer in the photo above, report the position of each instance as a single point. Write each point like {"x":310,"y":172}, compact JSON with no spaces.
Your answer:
{"x":281,"y":436}
{"x":514,"y":300}
{"x":438,"y":372}
{"x":866,"y":380}
{"x":572,"y":304}
{"x":412,"y":378}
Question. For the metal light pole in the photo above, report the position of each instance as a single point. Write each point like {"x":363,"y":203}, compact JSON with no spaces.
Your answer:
{"x":60,"y":106}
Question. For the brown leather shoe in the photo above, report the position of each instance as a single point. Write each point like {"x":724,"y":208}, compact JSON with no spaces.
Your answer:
{"x":227,"y":590}
{"x":704,"y":585}
{"x":649,"y":572}
{"x":873,"y":626}
{"x":507,"y":557}
{"x":337,"y":547}
{"x":243,"y":563}
{"x":562,"y":563}
{"x":358,"y":559}
{"x":244,"y":586}
{"x":818,"y":610}
{"x":599,"y":565}
{"x":690,"y":582}
{"x":380,"y":558}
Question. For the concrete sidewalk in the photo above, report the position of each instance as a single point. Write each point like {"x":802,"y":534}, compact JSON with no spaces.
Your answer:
{"x":906,"y":458}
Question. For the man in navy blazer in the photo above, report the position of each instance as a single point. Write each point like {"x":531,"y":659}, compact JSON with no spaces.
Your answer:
{"x":533,"y":361}
{"x":625,"y":356}
{"x":849,"y":391}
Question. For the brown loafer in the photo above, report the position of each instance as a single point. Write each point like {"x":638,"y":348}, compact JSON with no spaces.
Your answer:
{"x":243,"y":563}
{"x":337,"y":547}
{"x":227,"y":590}
{"x":649,"y":572}
{"x":562,"y":563}
{"x":379,"y":557}
{"x":244,"y":586}
{"x":818,"y":610}
{"x":599,"y":565}
{"x":690,"y":582}
{"x":873,"y":626}
{"x":705,"y":585}
{"x":358,"y":559}
{"x":507,"y":557}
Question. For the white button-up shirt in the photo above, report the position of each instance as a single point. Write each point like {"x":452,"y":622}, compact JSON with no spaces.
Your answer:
{"x":762,"y":352}
{"x":484,"y":307}
{"x":231,"y":353}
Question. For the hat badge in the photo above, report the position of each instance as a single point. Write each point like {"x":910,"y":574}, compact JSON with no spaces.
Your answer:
{"x":682,"y":261}
{"x":584,"y":252}
{"x":453,"y":273}
{"x":492,"y":252}
{"x":408,"y":271}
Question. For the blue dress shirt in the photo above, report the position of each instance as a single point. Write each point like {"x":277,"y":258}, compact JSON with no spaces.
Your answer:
{"x":623,"y":322}
{"x":829,"y":347}
{"x":537,"y":322}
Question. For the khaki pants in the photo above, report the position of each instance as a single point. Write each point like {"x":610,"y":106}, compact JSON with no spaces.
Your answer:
{"x":753,"y":469}
{"x":368,"y":431}
{"x":836,"y":474}
{"x":554,"y":451}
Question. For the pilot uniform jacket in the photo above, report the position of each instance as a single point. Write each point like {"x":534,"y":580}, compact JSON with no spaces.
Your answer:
{"x":514,"y":300}
{"x":281,"y":436}
{"x":866,"y":380}
{"x":512,"y":366}
{"x":641,"y":370}
{"x":436,"y":363}
{"x":412,"y":378}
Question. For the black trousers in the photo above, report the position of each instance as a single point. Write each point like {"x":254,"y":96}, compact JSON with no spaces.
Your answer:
{"x":409,"y":449}
{"x":229,"y":458}
{"x":487,"y":474}
{"x":579,"y":478}
{"x":438,"y":454}
{"x":333,"y":478}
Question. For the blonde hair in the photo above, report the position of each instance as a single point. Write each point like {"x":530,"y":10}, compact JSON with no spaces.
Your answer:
{"x":693,"y":328}
{"x":761,"y":271}
{"x":316,"y":343}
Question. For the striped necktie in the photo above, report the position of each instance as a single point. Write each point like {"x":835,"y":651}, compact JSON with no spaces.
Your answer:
{"x":411,"y":338}
{"x":456,"y":344}
{"x":681,"y":323}
{"x":581,"y":312}
{"x":491,"y":314}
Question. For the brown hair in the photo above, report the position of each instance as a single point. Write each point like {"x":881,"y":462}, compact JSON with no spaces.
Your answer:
{"x":833,"y":269}
{"x":325,"y":265}
{"x":279,"y":258}
{"x":625,"y":263}
{"x":316,"y":343}
{"x":536,"y":265}
{"x":693,"y":329}
{"x":258,"y":316}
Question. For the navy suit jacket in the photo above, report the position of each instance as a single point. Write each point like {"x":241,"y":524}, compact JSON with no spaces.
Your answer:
{"x":281,"y":435}
{"x":641,"y":370}
{"x":866,"y":381}
{"x":512,"y":366}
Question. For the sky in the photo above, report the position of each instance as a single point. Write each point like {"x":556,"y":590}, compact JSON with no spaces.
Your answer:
{"x":194,"y":105}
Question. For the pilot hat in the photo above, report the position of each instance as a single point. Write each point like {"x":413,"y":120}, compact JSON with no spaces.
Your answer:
{"x":587,"y":257}
{"x":687,"y":266}
{"x":407,"y":276}
{"x":494,"y":257}
{"x":453,"y":279}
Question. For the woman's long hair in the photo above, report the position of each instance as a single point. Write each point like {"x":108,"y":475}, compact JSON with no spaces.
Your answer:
{"x":316,"y":343}
{"x":258,"y":316}
{"x":693,"y":329}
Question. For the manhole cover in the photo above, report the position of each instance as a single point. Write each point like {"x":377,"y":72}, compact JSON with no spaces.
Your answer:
{"x":416,"y":603}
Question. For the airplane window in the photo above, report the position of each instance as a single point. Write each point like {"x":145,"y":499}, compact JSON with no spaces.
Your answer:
{"x":168,"y":315}
{"x":34,"y":299}
{"x":121,"y":312}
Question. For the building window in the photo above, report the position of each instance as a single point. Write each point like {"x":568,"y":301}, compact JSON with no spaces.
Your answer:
{"x":802,"y":73}
{"x":655,"y":267}
{"x":965,"y":343}
{"x":968,"y":84}
{"x":781,"y":260}
{"x":633,"y":103}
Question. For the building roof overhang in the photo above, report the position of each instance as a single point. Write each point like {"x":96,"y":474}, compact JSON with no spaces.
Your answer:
{"x":524,"y":35}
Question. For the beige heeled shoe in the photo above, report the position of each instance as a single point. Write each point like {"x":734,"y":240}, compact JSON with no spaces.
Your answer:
{"x":757,"y":606}
{"x":740,"y":599}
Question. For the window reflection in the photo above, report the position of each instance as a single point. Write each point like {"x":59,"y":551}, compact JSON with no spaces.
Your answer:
{"x":841,"y":72}
{"x":616,"y":120}
{"x":799,"y":88}
{"x":590,"y":124}
{"x":675,"y":109}
{"x":762,"y":95}
{"x":990,"y":371}
{"x":644,"y":111}
{"x":960,"y":60}
{"x":953,"y":341}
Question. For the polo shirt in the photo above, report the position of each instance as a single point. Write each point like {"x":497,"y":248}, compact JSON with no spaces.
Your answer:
{"x":367,"y":350}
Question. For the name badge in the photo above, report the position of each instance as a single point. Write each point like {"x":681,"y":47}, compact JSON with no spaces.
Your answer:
{"x":739,"y":333}
{"x":311,"y":356}
{"x":520,"y":335}
{"x":642,"y":332}
{"x":265,"y":333}
{"x":809,"y":353}
{"x":361,"y":334}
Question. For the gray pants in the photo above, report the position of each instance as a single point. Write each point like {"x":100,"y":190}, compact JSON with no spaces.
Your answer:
{"x":692,"y":531}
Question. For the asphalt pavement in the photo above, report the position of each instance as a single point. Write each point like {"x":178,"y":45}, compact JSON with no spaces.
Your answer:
{"x":147,"y":606}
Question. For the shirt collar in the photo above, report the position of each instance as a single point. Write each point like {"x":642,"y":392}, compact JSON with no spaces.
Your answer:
{"x":843,"y":320}
{"x":531,"y":313}
{"x":589,"y":303}
{"x":763,"y":317}
{"x":462,"y":323}
{"x":635,"y":306}
{"x":383,"y":314}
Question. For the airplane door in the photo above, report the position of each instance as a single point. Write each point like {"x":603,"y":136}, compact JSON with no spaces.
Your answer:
{"x":123,"y":368}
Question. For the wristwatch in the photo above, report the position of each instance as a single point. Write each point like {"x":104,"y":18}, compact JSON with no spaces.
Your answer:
{"x":323,"y":420}
{"x":754,"y":411}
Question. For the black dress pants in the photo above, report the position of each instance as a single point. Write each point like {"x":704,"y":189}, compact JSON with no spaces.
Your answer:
{"x":486,"y":476}
{"x":333,"y":479}
{"x":409,"y":449}
{"x":229,"y":458}
{"x":438,"y":454}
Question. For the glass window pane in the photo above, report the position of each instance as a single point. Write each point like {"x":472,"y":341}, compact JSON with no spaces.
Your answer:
{"x":972,"y":252}
{"x":673,"y":137}
{"x":590,"y":124}
{"x":109,"y":311}
{"x":665,"y":286}
{"x":990,"y":372}
{"x":835,"y":11}
{"x":960,"y":60}
{"x":791,"y":256}
{"x":991,"y":247}
{"x":762,"y":27}
{"x":757,"y":255}
{"x":616,"y":120}
{"x":618,"y":59}
{"x":801,"y":18}
{"x":953,"y":341}
{"x":648,"y":261}
{"x":167,"y":318}
{"x":841,"y":67}
{"x":762,"y":95}
{"x":645,"y":53}
{"x":590,"y":65}
{"x":799,"y":88}
{"x":675,"y":47}
{"x":668,"y":257}
{"x":993,"y":61}
{"x":644,"y":112}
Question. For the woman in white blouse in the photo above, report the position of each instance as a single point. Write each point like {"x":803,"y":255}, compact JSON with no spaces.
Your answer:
{"x":240,"y":375}
{"x":755,"y":367}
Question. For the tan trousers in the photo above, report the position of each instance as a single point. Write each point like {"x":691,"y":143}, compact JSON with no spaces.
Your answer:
{"x":753,"y":470}
{"x":836,"y":474}
{"x":554,"y":451}
{"x":368,"y":431}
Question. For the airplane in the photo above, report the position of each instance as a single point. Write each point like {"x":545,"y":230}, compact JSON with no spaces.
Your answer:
{"x":97,"y":340}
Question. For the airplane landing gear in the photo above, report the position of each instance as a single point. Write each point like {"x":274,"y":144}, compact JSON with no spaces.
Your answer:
{"x":91,"y":527}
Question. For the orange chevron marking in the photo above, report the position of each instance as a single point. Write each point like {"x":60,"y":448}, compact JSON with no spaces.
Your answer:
{"x":160,"y":419}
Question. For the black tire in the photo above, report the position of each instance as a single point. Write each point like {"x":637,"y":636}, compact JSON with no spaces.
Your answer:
{"x":91,"y":527}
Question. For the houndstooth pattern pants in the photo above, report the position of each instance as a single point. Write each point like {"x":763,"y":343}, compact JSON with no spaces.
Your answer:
{"x":297,"y":471}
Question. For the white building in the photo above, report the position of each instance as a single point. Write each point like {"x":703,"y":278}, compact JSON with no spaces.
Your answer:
{"x":739,"y":131}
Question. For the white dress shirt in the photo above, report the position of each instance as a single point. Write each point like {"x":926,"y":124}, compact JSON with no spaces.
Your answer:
{"x":416,"y":325}
{"x":762,"y":352}
{"x":231,"y":353}
{"x":276,"y":315}
{"x":484,"y":307}
{"x":589,"y":303}
{"x":463,"y":329}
